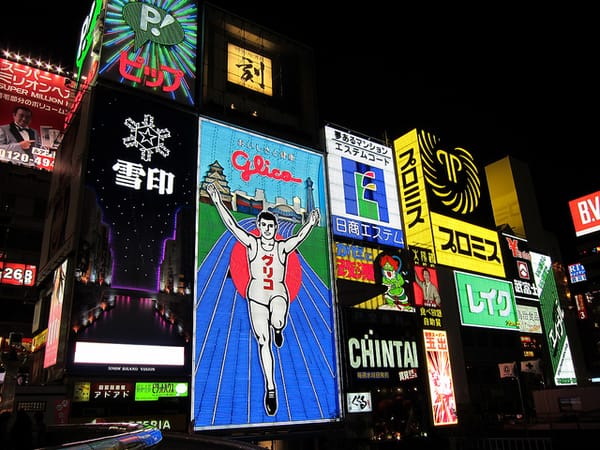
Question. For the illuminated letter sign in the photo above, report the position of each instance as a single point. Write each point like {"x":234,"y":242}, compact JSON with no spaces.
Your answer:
{"x":517,"y":262}
{"x":249,"y":69}
{"x":413,"y":196}
{"x":17,"y":274}
{"x":553,"y":319}
{"x":441,"y":385}
{"x":486,"y":302}
{"x":465,"y":246}
{"x":154,"y":391}
{"x":585,"y":212}
{"x":363,"y":192}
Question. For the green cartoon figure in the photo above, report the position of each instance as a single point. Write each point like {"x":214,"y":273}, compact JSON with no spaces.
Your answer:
{"x":393,"y":278}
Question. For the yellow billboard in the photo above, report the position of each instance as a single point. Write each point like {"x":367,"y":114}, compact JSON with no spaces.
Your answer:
{"x":413,"y":195}
{"x":463,"y":245}
{"x":442,"y":197}
{"x":249,"y":69}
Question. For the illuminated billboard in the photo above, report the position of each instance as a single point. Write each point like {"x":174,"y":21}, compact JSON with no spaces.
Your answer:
{"x":553,"y":320}
{"x":249,"y":69}
{"x":426,"y":287}
{"x":577,"y":273}
{"x":517,"y":263}
{"x":382,"y":349}
{"x":134,"y":275}
{"x":585,"y":213}
{"x":17,"y":274}
{"x":151,"y":46}
{"x":55,"y":315}
{"x":384,"y":368}
{"x":371,"y":278}
{"x":155,"y":390}
{"x":47,"y":97}
{"x":444,"y":203}
{"x":265,"y":333}
{"x":362,"y":189}
{"x":486,"y":302}
{"x":87,"y":56}
{"x":441,"y":383}
{"x":460,"y":244}
{"x":529,"y":319}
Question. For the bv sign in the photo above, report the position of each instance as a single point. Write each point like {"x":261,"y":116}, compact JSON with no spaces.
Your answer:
{"x":585,"y":212}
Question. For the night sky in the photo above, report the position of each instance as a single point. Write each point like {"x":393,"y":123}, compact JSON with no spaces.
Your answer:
{"x":505,"y":81}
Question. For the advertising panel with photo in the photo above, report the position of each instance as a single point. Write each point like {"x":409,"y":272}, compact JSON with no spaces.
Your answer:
{"x":150,"y":45}
{"x":33,"y":107}
{"x":134,"y":277}
{"x":265,"y":333}
{"x":363,"y":191}
{"x":486,"y":302}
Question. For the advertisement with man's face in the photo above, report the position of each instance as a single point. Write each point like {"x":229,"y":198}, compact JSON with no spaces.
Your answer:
{"x":265,"y":334}
{"x":33,"y":107}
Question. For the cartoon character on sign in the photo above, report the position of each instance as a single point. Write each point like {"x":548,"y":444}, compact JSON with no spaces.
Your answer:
{"x":392,"y":277}
{"x":267,"y":292}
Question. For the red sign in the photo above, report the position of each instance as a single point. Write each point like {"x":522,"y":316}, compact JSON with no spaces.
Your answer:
{"x":48,"y":97}
{"x":585,"y":212}
{"x":17,"y":274}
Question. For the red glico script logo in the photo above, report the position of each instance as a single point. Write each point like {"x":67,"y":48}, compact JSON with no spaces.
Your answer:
{"x":259,"y":166}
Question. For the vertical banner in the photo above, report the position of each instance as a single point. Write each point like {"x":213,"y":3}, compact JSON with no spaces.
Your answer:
{"x":553,"y":320}
{"x":55,"y":315}
{"x":441,"y":384}
{"x":265,"y":335}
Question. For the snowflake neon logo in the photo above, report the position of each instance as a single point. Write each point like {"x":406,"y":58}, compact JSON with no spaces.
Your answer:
{"x":146,"y":137}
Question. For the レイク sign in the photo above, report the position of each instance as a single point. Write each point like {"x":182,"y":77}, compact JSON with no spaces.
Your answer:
{"x":486,"y":302}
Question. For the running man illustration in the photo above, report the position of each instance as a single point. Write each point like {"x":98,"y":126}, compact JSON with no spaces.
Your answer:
{"x":267,"y":293}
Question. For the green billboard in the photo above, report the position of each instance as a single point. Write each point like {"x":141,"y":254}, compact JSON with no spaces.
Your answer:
{"x":486,"y":302}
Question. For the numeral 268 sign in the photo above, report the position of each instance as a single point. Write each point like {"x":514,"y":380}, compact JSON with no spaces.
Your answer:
{"x":17,"y":274}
